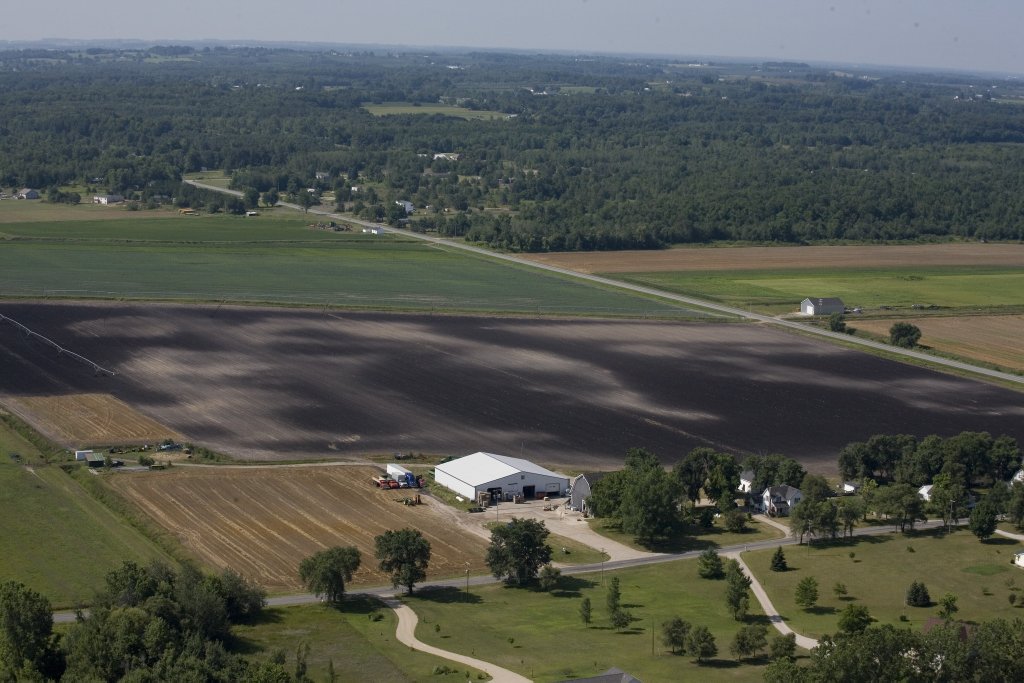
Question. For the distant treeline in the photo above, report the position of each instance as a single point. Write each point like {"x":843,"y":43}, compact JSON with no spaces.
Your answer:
{"x":592,"y":154}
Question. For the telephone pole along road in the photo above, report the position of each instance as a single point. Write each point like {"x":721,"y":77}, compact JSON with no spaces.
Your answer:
{"x":661,"y":294}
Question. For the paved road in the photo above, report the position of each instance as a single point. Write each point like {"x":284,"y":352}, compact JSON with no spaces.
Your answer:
{"x":661,"y":294}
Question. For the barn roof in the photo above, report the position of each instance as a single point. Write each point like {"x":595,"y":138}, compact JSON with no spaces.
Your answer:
{"x":480,"y":468}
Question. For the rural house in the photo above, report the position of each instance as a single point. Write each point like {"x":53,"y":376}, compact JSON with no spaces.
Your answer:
{"x":581,"y":488}
{"x":925,"y":492}
{"x":107,"y":199}
{"x":777,"y":501}
{"x":826,"y":306}
{"x":746,"y":481}
{"x":499,"y":477}
{"x":27,"y":193}
{"x":850,"y":487}
{"x":409,"y":208}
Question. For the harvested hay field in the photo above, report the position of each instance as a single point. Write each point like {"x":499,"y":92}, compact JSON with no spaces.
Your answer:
{"x":787,"y":258}
{"x":89,"y":420}
{"x":262,"y":521}
{"x":993,"y":339}
{"x":266,"y":384}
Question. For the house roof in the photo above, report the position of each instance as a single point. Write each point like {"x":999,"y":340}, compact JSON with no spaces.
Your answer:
{"x":612,"y":675}
{"x":784,"y":491}
{"x":825,"y":301}
{"x":480,"y":468}
{"x":747,"y":475}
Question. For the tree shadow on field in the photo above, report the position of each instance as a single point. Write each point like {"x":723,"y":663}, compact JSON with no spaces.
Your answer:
{"x":447,"y":595}
{"x":359,"y":604}
{"x":820,"y":610}
{"x":572,"y":587}
{"x":999,"y":540}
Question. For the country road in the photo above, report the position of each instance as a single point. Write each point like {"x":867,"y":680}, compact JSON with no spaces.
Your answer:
{"x":650,"y":291}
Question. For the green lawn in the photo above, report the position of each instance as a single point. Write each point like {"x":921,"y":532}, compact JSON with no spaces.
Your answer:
{"x":361,"y":649}
{"x":779,"y":291}
{"x":691,"y":537}
{"x":395,"y":108}
{"x":979,"y":574}
{"x":541,"y":636}
{"x":56,"y":538}
{"x":279,"y":260}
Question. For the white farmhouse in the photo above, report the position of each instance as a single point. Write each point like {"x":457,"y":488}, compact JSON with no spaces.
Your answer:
{"x":499,"y":476}
{"x":826,"y":306}
{"x":777,"y":501}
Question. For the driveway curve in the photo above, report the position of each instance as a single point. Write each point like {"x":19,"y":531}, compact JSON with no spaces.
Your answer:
{"x":406,"y":634}
{"x":769,"y":609}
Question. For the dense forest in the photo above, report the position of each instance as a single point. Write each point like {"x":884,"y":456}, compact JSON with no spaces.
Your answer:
{"x":579,"y":154}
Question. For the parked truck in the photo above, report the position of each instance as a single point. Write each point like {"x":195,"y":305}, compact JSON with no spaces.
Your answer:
{"x":404,"y":477}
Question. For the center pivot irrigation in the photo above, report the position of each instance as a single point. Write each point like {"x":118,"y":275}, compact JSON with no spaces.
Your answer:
{"x":61,"y":351}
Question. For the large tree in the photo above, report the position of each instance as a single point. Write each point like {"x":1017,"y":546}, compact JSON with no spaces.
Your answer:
{"x":26,"y":640}
{"x":325,"y":573}
{"x":904,"y":335}
{"x":518,"y":550}
{"x":405,"y":555}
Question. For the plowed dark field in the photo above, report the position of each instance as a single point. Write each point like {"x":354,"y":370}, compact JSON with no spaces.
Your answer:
{"x":268,"y":383}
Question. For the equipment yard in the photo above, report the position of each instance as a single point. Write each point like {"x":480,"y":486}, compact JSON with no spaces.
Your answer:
{"x":262,"y":521}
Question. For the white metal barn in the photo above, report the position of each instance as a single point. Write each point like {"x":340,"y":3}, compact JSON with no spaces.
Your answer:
{"x":499,"y":476}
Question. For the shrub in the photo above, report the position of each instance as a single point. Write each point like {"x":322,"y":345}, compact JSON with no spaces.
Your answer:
{"x":917,"y":595}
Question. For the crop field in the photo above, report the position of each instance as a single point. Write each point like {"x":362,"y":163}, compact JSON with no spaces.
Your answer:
{"x":89,"y":419}
{"x":261,"y":521}
{"x":789,"y":258}
{"x":238,"y":259}
{"x":291,"y":384}
{"x":56,"y":538}
{"x":14,"y":211}
{"x":395,"y":108}
{"x":993,"y":339}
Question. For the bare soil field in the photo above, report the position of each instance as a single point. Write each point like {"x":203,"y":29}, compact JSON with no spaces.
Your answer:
{"x":785,"y":258}
{"x":262,"y":521}
{"x":266,"y":383}
{"x":89,"y":420}
{"x":993,"y":339}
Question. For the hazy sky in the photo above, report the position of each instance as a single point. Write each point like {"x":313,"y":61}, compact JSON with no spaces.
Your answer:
{"x":964,"y":34}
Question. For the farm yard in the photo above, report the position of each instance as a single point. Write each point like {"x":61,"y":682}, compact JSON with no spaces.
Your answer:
{"x":293,"y":384}
{"x":261,"y":521}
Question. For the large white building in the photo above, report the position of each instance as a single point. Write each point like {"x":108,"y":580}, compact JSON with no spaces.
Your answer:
{"x":500,"y":476}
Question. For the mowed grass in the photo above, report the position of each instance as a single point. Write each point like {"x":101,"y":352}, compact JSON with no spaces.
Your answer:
{"x":56,"y":538}
{"x":775,"y":291}
{"x":281,"y":260}
{"x":691,"y":537}
{"x":397,"y":108}
{"x":881,"y":570}
{"x":360,"y":647}
{"x":540,"y":635}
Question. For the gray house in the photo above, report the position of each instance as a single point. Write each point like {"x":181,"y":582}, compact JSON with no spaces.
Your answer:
{"x":826,"y":306}
{"x":777,"y":501}
{"x":580,"y":489}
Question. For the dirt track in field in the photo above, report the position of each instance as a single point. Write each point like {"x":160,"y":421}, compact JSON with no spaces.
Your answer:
{"x":262,"y":522}
{"x":287,"y":384}
{"x":784,"y":258}
{"x":989,"y":338}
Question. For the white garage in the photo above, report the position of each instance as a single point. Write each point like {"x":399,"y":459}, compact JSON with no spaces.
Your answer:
{"x":499,"y":476}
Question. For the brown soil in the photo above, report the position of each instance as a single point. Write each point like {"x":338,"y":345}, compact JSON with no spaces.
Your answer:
{"x":78,"y":420}
{"x":784,"y":258}
{"x":262,"y":521}
{"x":992,"y":339}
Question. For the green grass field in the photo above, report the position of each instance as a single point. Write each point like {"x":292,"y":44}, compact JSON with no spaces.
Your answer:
{"x":541,"y":636}
{"x":775,"y":291}
{"x":979,"y":574}
{"x":360,"y":648}
{"x":56,"y":538}
{"x":395,"y":108}
{"x":691,"y":537}
{"x":279,"y":259}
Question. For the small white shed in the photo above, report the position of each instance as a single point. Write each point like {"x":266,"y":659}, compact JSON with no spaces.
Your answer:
{"x":825,"y":306}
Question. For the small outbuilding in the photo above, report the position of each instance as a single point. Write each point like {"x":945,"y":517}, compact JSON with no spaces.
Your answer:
{"x":27,"y":193}
{"x":746,"y":481}
{"x":925,"y":492}
{"x":1018,"y":559}
{"x":826,"y":306}
{"x":851,"y":487}
{"x":107,"y":199}
{"x":581,"y":488}
{"x":499,"y":477}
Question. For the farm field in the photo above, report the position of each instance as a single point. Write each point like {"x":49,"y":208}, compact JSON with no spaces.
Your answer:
{"x":264,"y":383}
{"x":877,"y":576}
{"x":57,"y":539}
{"x":232,"y":258}
{"x":89,"y":420}
{"x":789,"y":258}
{"x":14,"y":211}
{"x":540,"y":635}
{"x":262,"y":521}
{"x":993,"y":339}
{"x":396,"y":108}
